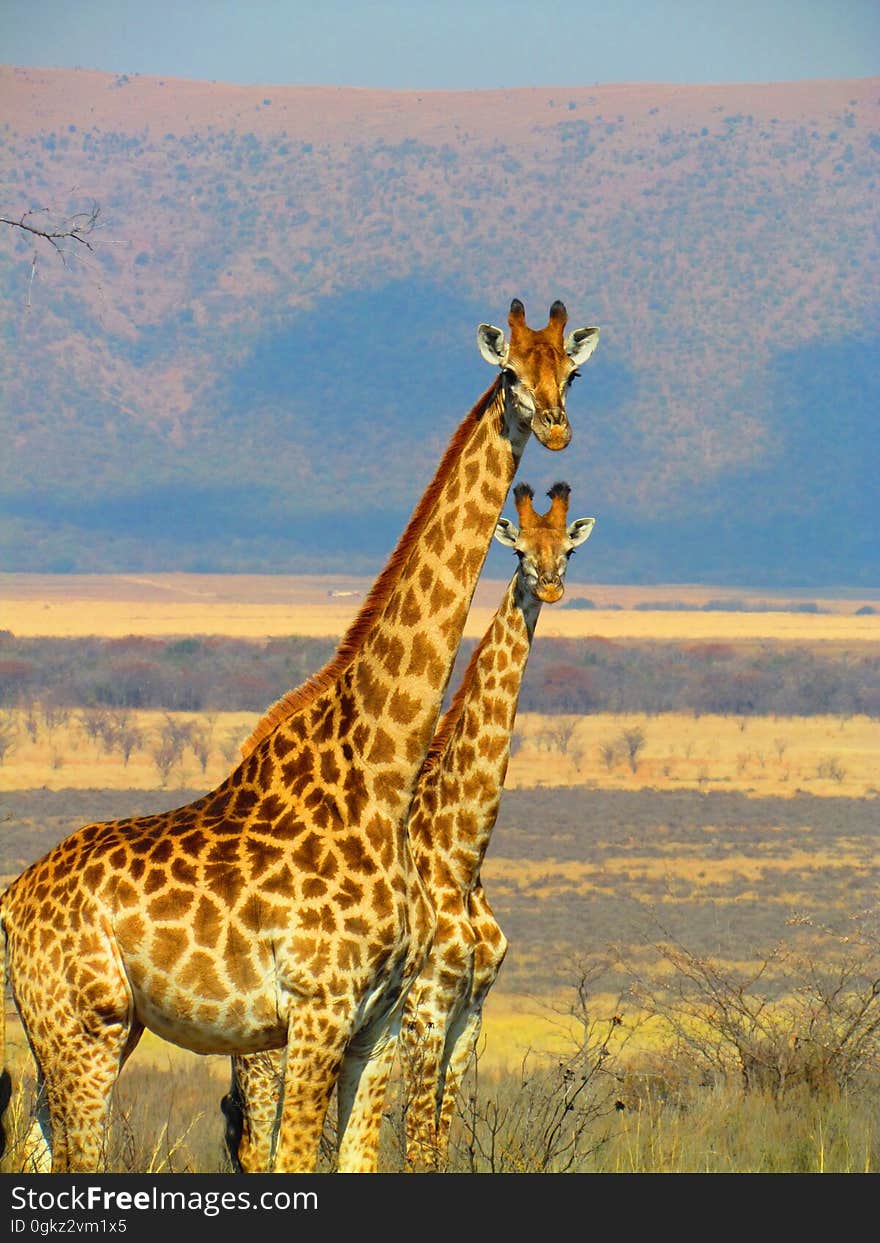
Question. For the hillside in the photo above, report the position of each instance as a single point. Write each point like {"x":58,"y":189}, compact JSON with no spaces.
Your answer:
{"x":259,"y":365}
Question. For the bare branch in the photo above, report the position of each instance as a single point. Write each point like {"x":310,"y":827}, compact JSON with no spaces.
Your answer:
{"x":69,"y":236}
{"x":76,"y":228}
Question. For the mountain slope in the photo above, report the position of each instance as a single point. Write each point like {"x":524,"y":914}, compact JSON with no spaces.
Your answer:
{"x":276,"y":335}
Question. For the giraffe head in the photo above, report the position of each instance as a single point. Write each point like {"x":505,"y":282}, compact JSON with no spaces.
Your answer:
{"x":537,"y":369}
{"x":543,"y":542}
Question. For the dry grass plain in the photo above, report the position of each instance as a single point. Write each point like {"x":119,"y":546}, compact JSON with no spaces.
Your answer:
{"x":784,"y":807}
{"x":759,"y":756}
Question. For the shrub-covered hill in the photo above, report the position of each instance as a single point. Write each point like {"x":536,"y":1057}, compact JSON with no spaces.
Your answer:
{"x":273,"y":338}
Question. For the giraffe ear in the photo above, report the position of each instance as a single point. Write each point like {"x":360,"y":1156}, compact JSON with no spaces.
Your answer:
{"x":580,"y":531}
{"x":580,"y":344}
{"x":492,"y":344}
{"x":506,"y":532}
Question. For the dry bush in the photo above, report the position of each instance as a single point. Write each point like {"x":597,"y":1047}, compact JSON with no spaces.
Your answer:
{"x":201,"y":742}
{"x":557,"y":1113}
{"x":626,"y":746}
{"x":174,"y":735}
{"x":230,"y":747}
{"x":807,"y":1016}
{"x":54,"y":715}
{"x":609,"y":754}
{"x":632,"y":741}
{"x":559,"y":732}
{"x":8,"y":735}
{"x":128,"y":737}
{"x":830,"y":768}
{"x":94,"y":722}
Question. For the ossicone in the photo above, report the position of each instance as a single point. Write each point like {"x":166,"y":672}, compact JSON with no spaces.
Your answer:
{"x":558,"y":314}
{"x":517,"y":313}
{"x":522,"y":499}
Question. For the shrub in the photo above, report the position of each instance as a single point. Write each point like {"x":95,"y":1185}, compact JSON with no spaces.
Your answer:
{"x":800,"y":1020}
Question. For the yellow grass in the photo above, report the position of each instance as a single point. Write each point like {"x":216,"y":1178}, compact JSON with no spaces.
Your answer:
{"x":64,"y":756}
{"x":263,"y":606}
{"x":679,"y":861}
{"x":761,"y":756}
{"x":519,"y":1028}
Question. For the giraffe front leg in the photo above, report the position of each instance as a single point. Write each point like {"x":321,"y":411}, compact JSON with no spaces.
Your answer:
{"x":363,"y":1086}
{"x":423,"y":1038}
{"x":457,"y":1055}
{"x":79,"y":1046}
{"x":316,"y":1045}
{"x":490,"y":948}
{"x":437,"y":997}
{"x":251,"y":1109}
{"x":79,"y":1078}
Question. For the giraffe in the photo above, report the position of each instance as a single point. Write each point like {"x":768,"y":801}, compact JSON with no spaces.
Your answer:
{"x":453,"y":814}
{"x":451,"y":820}
{"x":282,"y":909}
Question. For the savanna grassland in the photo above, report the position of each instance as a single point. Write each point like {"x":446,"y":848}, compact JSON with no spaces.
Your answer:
{"x":681,"y":889}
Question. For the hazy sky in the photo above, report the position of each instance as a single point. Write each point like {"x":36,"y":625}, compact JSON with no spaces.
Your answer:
{"x":436,"y":44}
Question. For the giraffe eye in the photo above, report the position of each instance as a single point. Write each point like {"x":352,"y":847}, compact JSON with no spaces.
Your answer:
{"x":509,"y":374}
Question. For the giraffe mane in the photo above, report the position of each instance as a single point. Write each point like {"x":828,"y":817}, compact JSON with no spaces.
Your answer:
{"x":380,"y":592}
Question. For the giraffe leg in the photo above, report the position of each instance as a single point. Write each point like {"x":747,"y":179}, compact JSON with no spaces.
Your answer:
{"x":251,"y":1110}
{"x":457,"y":1055}
{"x":363,"y":1085}
{"x":37,"y":1148}
{"x":317,"y":1038}
{"x":81,"y":1028}
{"x":438,"y":995}
{"x":80,"y":1075}
{"x":423,"y":1039}
{"x":490,"y":948}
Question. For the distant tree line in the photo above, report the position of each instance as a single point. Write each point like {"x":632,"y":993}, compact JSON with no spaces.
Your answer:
{"x":741,"y":679}
{"x":720,"y":606}
{"x":564,"y":675}
{"x":178,"y":675}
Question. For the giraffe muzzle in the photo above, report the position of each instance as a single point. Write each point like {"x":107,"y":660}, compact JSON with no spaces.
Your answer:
{"x":550,"y":589}
{"x":552,"y":428}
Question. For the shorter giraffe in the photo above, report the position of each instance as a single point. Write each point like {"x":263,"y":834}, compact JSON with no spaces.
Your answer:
{"x":451,"y":820}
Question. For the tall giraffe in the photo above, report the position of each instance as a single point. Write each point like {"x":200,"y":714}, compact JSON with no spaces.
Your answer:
{"x":282,"y":909}
{"x":451,"y":820}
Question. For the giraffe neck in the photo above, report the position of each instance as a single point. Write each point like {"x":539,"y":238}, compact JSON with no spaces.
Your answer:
{"x":400,"y":672}
{"x":374,"y":707}
{"x":460,"y":788}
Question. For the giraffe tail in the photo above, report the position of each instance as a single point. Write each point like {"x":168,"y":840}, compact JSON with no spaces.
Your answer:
{"x":5,"y":1077}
